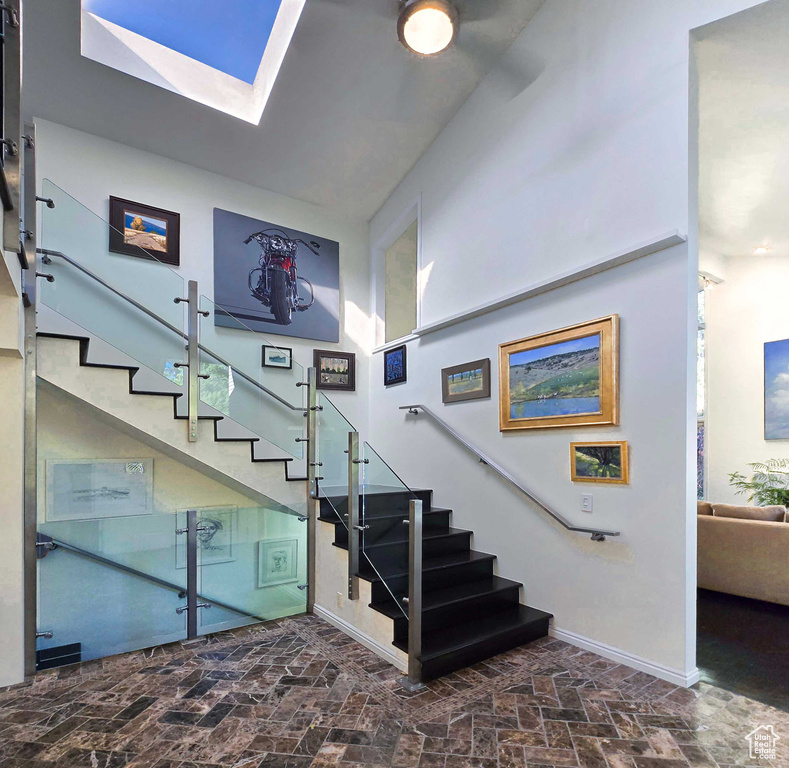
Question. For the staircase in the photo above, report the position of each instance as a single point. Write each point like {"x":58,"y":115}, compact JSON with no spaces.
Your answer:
{"x":468,"y":614}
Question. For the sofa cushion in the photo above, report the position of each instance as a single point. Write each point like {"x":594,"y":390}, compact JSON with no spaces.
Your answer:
{"x":774,"y":514}
{"x":703,"y":508}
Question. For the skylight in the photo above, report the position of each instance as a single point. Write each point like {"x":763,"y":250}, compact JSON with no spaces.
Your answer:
{"x":225,"y":54}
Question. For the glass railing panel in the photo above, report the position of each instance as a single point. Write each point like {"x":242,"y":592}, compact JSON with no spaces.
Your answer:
{"x":385,"y":501}
{"x":252,"y":565}
{"x":263,"y":399}
{"x":332,"y":456}
{"x":127,"y":301}
{"x":82,"y":597}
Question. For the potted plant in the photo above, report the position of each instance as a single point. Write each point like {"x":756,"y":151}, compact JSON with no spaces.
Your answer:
{"x":768,"y":485}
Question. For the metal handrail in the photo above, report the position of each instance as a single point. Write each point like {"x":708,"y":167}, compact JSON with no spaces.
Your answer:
{"x":49,"y":253}
{"x":596,"y":534}
{"x":53,"y":544}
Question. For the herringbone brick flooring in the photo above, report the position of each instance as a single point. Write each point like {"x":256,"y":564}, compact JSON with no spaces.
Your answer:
{"x":300,"y":694}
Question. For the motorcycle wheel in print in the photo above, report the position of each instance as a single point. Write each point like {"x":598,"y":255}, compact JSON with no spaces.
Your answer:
{"x":281,"y":298}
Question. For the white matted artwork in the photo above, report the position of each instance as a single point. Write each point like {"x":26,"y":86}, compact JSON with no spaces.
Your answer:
{"x":216,"y":534}
{"x":94,"y":489}
{"x":278,"y":561}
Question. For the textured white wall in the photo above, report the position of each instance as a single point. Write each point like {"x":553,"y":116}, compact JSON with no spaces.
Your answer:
{"x":743,"y":312}
{"x":591,"y":158}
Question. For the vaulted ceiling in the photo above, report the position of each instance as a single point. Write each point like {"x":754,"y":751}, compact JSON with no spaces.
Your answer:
{"x":350,"y":113}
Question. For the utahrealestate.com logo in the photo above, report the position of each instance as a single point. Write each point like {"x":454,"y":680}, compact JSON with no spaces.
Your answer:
{"x":762,"y":742}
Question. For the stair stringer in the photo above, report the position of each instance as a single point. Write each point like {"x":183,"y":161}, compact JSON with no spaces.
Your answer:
{"x":151,"y":419}
{"x":354,"y":617}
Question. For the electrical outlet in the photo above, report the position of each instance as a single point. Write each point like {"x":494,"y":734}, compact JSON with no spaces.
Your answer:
{"x":586,"y":502}
{"x":339,"y":599}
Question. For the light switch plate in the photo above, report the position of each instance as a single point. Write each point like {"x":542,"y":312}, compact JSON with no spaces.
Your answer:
{"x":587,"y":504}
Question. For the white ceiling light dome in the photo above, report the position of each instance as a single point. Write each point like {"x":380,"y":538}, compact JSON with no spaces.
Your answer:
{"x":428,"y":27}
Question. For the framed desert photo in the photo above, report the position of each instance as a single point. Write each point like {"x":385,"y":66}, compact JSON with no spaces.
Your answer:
{"x":277,"y":357}
{"x":336,"y":370}
{"x":146,"y":232}
{"x":605,"y":462}
{"x":470,"y":381}
{"x":394,"y":366}
{"x":563,"y":378}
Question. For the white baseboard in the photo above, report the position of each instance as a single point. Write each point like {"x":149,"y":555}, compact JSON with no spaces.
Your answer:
{"x":387,"y":654}
{"x":670,"y":674}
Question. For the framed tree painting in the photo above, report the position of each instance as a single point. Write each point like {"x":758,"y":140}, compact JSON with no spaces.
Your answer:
{"x":144,"y":231}
{"x":336,"y":370}
{"x":563,"y":378}
{"x":469,"y":381}
{"x":395,"y":366}
{"x":601,"y":462}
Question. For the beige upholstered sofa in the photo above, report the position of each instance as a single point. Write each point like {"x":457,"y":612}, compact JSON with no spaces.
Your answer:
{"x":744,"y":551}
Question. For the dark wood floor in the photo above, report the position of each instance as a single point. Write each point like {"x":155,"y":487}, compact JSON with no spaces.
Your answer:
{"x":743,"y":646}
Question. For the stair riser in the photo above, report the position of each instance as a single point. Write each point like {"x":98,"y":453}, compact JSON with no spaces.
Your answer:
{"x":393,"y":558}
{"x":443,"y":665}
{"x":473,"y":609}
{"x":438,"y":579}
{"x":376,"y":503}
{"x":394,"y":530}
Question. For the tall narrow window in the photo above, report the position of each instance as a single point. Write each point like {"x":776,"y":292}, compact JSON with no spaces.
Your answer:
{"x":400,"y":289}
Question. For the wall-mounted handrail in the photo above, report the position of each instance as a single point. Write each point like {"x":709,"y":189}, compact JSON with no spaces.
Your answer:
{"x":55,"y":544}
{"x":596,"y":534}
{"x":49,"y":253}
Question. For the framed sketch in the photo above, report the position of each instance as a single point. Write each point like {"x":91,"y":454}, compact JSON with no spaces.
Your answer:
{"x":277,"y":357}
{"x":144,"y":231}
{"x":275,"y":279}
{"x":216,"y":535}
{"x":469,"y":381}
{"x":394,"y":366}
{"x":564,"y":378}
{"x":336,"y":370}
{"x":603,"y":462}
{"x":90,"y":489}
{"x":278,"y":562}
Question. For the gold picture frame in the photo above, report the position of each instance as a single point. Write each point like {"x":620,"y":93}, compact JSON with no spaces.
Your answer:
{"x":563,"y":378}
{"x":599,"y":462}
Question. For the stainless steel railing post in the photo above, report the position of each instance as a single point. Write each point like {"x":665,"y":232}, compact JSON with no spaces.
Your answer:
{"x":413,"y":681}
{"x":313,"y":463}
{"x":191,"y":574}
{"x":193,"y":360}
{"x":353,"y":515}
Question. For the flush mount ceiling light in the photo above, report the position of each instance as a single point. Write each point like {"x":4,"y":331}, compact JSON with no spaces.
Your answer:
{"x":760,"y":250}
{"x":428,"y":27}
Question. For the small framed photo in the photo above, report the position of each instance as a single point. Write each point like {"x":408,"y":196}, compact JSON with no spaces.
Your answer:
{"x":277,"y":357}
{"x":605,"y":462}
{"x":278,"y":562}
{"x":336,"y":370}
{"x":146,"y":232}
{"x":394,"y":366}
{"x":470,"y":381}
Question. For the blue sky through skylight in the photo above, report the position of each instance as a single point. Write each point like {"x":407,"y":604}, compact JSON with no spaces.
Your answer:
{"x":228,"y":35}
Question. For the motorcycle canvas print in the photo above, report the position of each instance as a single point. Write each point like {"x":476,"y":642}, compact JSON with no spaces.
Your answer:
{"x":274,"y":279}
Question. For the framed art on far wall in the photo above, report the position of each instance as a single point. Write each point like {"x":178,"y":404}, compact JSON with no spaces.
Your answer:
{"x":469,"y":381}
{"x":144,"y":231}
{"x":776,"y":389}
{"x":602,"y":462}
{"x":563,"y":378}
{"x":277,"y":357}
{"x":336,"y":370}
{"x":278,"y":562}
{"x":395,"y":366}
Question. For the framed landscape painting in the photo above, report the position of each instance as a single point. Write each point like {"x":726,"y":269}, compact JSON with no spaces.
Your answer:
{"x":776,"y":390}
{"x":563,"y":378}
{"x":336,"y":370}
{"x":603,"y":462}
{"x":394,"y":366}
{"x":144,"y":231}
{"x":470,"y":381}
{"x":277,"y":357}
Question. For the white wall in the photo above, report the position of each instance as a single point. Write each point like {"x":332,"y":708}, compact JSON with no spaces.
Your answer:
{"x":592,"y":157}
{"x":743,"y":312}
{"x":91,"y":169}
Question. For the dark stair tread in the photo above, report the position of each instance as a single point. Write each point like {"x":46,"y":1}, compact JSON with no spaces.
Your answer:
{"x":437,"y":562}
{"x":457,"y":593}
{"x":458,"y":637}
{"x":326,"y":493}
{"x":332,"y":516}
